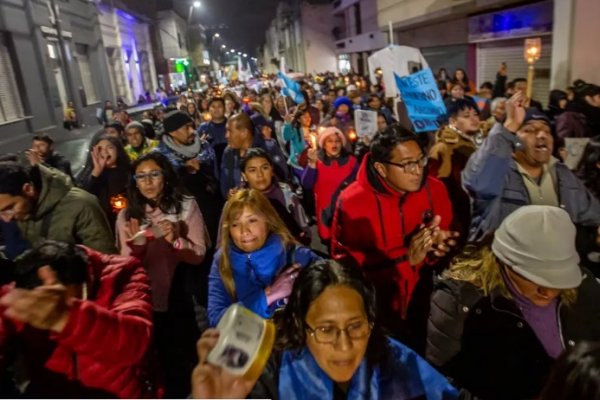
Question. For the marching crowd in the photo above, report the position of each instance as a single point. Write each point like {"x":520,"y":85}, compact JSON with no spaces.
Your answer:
{"x":461,"y":263}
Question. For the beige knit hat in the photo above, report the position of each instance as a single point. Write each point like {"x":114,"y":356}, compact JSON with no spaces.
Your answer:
{"x":538,"y":243}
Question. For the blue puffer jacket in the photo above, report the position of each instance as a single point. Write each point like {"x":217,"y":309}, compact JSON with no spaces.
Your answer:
{"x":492,"y":179}
{"x":252,"y":273}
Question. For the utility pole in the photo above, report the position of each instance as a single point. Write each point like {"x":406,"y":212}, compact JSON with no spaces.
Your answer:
{"x":55,"y":21}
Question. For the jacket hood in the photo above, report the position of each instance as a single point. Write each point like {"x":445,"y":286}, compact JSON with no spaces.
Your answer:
{"x":54,"y":186}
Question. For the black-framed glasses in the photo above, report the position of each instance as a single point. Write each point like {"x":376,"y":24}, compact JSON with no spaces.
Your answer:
{"x":331,"y":334}
{"x":410,"y":166}
{"x":152,"y":175}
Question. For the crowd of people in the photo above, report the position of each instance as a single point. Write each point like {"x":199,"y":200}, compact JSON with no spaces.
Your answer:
{"x":461,"y":263}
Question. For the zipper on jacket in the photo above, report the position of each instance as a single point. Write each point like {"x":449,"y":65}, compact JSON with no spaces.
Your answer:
{"x":562,"y":339}
{"x":75,"y":368}
{"x":380,"y":212}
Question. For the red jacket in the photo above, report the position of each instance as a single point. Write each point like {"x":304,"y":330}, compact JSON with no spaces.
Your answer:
{"x":371,"y":224}
{"x":102,"y":349}
{"x":325,"y":181}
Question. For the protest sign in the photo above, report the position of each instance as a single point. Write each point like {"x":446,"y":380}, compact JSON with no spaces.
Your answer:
{"x":365,"y":122}
{"x":575,"y":148}
{"x":422,"y":99}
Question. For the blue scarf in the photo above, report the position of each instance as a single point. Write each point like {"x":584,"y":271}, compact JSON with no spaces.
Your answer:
{"x":403,"y":376}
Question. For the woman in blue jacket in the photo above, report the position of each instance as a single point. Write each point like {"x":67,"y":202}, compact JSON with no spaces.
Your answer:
{"x":258,"y":260}
{"x":329,"y":346}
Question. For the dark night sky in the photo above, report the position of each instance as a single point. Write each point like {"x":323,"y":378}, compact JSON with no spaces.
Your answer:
{"x":247,"y":21}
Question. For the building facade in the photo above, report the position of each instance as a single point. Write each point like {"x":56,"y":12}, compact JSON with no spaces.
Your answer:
{"x":480,"y":35}
{"x":126,"y":38}
{"x":40,"y":71}
{"x":356,"y":32}
{"x":300,"y":34}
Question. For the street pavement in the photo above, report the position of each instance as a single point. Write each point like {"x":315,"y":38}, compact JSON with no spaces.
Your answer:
{"x":71,"y":144}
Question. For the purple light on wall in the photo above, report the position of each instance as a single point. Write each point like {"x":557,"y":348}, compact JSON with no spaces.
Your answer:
{"x":123,"y":14}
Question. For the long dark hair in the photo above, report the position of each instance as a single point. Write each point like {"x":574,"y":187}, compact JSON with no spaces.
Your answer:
{"x":575,"y":374}
{"x":465,"y":80}
{"x":310,"y":284}
{"x":588,"y":170}
{"x":172,"y":195}
{"x":123,"y":162}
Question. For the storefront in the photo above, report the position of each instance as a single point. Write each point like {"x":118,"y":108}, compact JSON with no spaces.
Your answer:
{"x":499,"y":37}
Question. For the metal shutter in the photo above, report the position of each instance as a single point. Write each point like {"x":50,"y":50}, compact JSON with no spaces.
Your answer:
{"x":83,"y":60}
{"x":11,"y":107}
{"x":491,"y":54}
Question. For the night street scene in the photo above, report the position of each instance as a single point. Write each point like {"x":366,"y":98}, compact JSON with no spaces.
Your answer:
{"x":300,"y":199}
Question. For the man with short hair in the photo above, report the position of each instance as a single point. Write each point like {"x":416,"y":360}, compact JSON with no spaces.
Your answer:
{"x":391,"y":217}
{"x":46,"y":205}
{"x":115,"y":129}
{"x":454,"y":144}
{"x":81,"y":322}
{"x":520,"y":85}
{"x":137,"y":143}
{"x":42,"y":151}
{"x":215,"y":129}
{"x":514,"y":167}
{"x":194,"y":160}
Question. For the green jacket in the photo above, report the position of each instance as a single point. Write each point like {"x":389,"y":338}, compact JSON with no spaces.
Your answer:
{"x":68,"y":214}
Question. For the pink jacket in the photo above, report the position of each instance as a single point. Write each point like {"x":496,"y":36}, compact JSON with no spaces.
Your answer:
{"x":158,"y":256}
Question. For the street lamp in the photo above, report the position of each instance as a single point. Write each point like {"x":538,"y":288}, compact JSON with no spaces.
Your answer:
{"x":195,"y":4}
{"x":532,"y":53}
{"x":245,"y":55}
{"x":217,"y":35}
{"x":223,"y":46}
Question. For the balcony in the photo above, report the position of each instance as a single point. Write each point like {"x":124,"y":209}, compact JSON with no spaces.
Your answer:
{"x":366,"y":42}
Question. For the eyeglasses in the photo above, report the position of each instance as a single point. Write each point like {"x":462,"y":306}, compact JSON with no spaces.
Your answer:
{"x":331,"y":334}
{"x":152,"y":175}
{"x":411,"y":166}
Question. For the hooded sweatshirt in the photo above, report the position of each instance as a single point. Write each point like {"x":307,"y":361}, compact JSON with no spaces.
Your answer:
{"x":68,"y":214}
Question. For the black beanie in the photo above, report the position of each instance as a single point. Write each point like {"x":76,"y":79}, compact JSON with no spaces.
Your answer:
{"x":175,"y":120}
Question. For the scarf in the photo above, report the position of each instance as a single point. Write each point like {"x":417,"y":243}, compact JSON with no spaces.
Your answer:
{"x":403,"y":375}
{"x":187,"y":152}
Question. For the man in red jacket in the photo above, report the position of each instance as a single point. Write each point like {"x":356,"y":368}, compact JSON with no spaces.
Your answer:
{"x":81,"y":321}
{"x":393,"y":219}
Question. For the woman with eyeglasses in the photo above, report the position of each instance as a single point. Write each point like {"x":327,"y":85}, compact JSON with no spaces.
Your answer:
{"x":329,"y":346}
{"x":331,"y":168}
{"x":163,"y":227}
{"x":258,"y":259}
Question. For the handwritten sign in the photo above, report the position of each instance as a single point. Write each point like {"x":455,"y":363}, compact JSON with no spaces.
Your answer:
{"x":422,"y":98}
{"x":575,"y":147}
{"x":365,"y":122}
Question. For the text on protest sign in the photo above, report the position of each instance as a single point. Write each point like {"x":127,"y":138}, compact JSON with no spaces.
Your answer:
{"x":366,"y":122}
{"x":422,"y":99}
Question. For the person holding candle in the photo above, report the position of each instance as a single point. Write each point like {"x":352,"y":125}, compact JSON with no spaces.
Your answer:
{"x":330,"y":169}
{"x":107,"y":175}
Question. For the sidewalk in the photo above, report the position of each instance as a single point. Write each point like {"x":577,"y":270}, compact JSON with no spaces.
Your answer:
{"x":22,"y":142}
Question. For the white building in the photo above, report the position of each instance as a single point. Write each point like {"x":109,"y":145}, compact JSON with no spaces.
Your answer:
{"x":129,"y":53}
{"x":301,"y":34}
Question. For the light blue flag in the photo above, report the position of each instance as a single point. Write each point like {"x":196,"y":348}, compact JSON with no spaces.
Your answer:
{"x":290,"y":88}
{"x":422,"y":98}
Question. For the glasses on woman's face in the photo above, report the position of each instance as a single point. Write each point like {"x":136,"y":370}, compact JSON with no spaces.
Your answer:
{"x":152,"y":175}
{"x":411,"y":166}
{"x":331,"y":334}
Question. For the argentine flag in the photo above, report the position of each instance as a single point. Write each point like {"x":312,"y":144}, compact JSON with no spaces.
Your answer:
{"x":290,"y":88}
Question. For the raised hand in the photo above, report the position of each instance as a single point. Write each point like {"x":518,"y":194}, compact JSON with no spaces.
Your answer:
{"x":212,"y":382}
{"x":282,"y":286}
